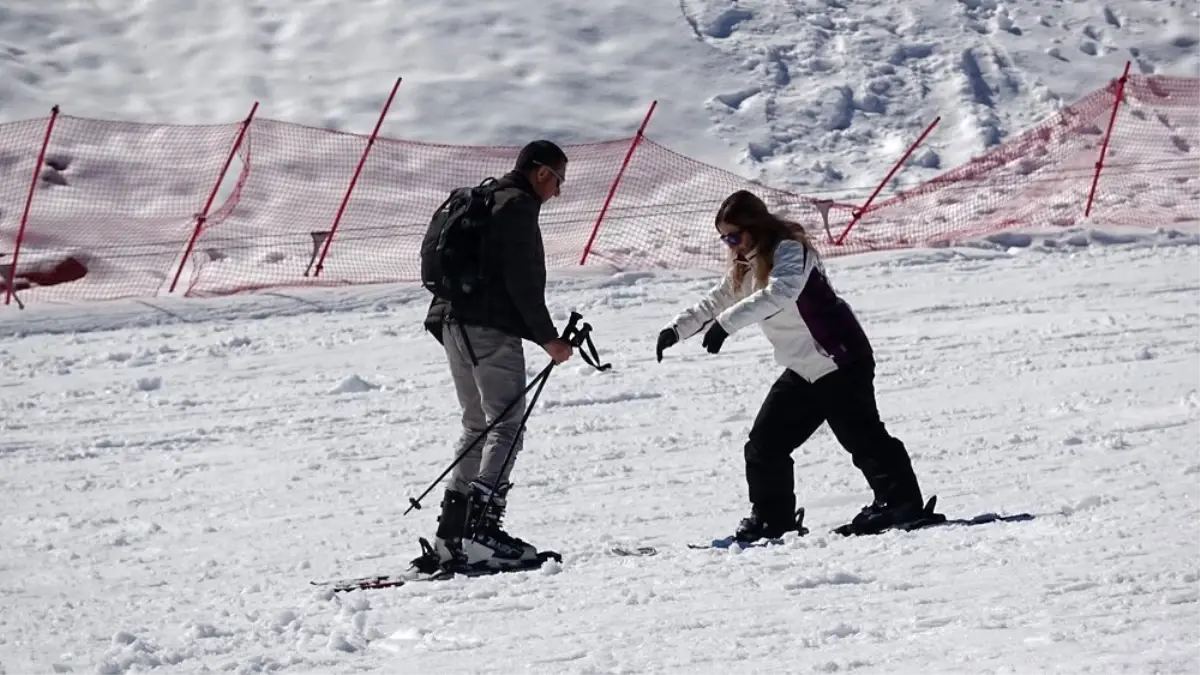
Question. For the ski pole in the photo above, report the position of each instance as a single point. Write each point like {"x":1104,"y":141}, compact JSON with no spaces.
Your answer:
{"x":577,"y":338}
{"x":512,"y":446}
{"x":537,"y":381}
{"x":415,"y":503}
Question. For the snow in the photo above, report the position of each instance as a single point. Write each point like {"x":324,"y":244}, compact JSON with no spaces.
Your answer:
{"x":815,"y":95}
{"x":175,"y":470}
{"x":176,"y":473}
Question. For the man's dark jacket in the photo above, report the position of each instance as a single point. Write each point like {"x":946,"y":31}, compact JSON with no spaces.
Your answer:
{"x":513,"y":297}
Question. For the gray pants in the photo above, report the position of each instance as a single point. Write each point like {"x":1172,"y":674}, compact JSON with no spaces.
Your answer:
{"x":484,"y":391}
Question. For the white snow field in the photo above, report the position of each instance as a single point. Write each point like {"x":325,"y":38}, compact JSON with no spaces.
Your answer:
{"x":176,"y":472}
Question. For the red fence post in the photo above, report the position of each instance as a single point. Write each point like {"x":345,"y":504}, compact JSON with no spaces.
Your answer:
{"x":202,"y":217}
{"x":612,"y":190}
{"x":354,"y":179}
{"x":858,"y":213}
{"x":37,"y":172}
{"x":1087,"y":212}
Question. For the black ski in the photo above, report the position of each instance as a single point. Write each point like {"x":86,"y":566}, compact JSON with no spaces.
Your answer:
{"x":730,"y":541}
{"x":727,"y":542}
{"x":926,"y":523}
{"x":928,"y":520}
{"x":426,"y":568}
{"x":372,"y":582}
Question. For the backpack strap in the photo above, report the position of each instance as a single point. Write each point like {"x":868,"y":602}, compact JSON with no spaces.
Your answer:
{"x":489,"y":186}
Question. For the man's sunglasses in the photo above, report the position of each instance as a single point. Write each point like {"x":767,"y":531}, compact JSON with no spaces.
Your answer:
{"x":559,"y":177}
{"x":732,"y":239}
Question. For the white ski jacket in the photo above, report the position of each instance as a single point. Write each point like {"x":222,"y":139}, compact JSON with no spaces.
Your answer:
{"x":814,"y":332}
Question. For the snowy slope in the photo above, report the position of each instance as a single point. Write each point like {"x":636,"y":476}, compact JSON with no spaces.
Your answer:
{"x":175,"y":471}
{"x":492,"y":73}
{"x":838,"y":90}
{"x":175,"y":474}
{"x":820,"y":95}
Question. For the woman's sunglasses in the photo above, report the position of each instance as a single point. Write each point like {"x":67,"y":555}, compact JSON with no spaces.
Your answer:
{"x":732,"y":239}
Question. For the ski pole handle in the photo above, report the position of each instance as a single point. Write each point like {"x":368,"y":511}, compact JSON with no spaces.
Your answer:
{"x":581,"y":336}
{"x":569,"y":331}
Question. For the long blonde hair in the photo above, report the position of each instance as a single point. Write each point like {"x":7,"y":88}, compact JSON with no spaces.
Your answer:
{"x":745,"y":211}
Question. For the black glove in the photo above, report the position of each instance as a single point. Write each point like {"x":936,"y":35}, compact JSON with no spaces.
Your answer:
{"x":667,"y":337}
{"x":714,"y":338}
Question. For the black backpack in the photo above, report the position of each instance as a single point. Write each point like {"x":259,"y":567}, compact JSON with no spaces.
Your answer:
{"x":452,"y":252}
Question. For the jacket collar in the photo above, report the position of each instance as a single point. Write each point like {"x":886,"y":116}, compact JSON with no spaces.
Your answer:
{"x":747,"y":260}
{"x":516,"y":179}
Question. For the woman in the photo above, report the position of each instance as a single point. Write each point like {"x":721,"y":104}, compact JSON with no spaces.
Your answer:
{"x":777,"y":280}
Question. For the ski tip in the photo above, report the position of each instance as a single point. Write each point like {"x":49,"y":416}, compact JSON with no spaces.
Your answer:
{"x":722,"y":543}
{"x":361,"y":584}
{"x":640,"y":551}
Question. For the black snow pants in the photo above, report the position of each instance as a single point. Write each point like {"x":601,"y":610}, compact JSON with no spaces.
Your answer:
{"x":793,"y":411}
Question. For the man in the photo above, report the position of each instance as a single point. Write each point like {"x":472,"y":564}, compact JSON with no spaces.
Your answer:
{"x":484,"y":349}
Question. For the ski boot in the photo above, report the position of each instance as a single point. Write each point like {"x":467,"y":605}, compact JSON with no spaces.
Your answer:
{"x":485,"y":543}
{"x":878,"y":517}
{"x":762,"y":524}
{"x":447,"y":548}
